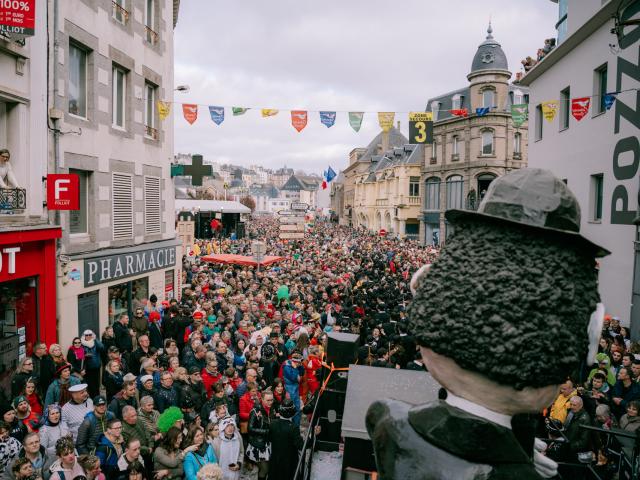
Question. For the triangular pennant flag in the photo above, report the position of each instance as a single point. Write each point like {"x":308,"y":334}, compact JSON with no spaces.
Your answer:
{"x":355,"y":120}
{"x":190,"y":112}
{"x":328,"y":118}
{"x":269,"y":112}
{"x":164,"y":108}
{"x":459,"y":112}
{"x":238,"y":111}
{"x":330,"y":174}
{"x":299,"y":119}
{"x":549,"y":110}
{"x":385,"y":120}
{"x":217,"y":114}
{"x":324,"y":184}
{"x":481,"y":112}
{"x":609,"y":99}
{"x":519,"y":114}
{"x":580,"y":107}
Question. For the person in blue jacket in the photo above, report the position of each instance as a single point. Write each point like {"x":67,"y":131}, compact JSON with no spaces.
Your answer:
{"x":198,"y":453}
{"x":292,"y":373}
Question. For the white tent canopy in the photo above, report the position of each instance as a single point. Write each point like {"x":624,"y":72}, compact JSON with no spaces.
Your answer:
{"x":222,"y":206}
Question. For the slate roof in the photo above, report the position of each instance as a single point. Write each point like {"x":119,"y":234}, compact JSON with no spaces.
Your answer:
{"x":297,"y":183}
{"x":408,"y":154}
{"x":266,"y":190}
{"x":490,"y":55}
{"x":396,"y":139}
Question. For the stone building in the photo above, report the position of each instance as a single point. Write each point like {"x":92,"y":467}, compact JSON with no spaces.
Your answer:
{"x":470,"y":151}
{"x":113,"y":60}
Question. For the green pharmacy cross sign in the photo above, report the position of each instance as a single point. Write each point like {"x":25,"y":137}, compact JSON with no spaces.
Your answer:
{"x":197,"y":171}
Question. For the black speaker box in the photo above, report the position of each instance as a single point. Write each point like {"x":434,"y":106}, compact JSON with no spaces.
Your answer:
{"x":342,"y":349}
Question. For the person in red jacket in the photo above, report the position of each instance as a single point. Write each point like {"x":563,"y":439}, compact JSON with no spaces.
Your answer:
{"x":210,"y":374}
{"x":311,"y":366}
{"x":246,"y":404}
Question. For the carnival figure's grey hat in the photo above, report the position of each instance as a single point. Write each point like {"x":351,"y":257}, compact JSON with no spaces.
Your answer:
{"x":533,"y":198}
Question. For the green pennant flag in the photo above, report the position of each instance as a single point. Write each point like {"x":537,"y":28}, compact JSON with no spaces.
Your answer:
{"x":238,"y":111}
{"x":355,"y":120}
{"x":519,"y":114}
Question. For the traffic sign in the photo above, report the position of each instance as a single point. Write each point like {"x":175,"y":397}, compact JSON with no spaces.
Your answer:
{"x":299,"y":206}
{"x":296,"y":227}
{"x":292,"y":235}
{"x":382,"y":232}
{"x":292,"y":220}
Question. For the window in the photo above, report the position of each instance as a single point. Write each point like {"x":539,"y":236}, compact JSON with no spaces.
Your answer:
{"x":455,"y":187}
{"x":487,"y":142}
{"x":152,"y":209}
{"x":454,"y":145}
{"x":77,"y":81}
{"x":122,"y":207}
{"x":78,"y":218}
{"x":120,"y":13}
{"x":456,"y":102}
{"x":518,"y":97}
{"x":596,"y":197}
{"x":149,"y":22}
{"x":435,"y":108}
{"x":150,"y":110}
{"x":599,"y":89}
{"x":539,"y":119}
{"x":565,"y":107}
{"x":432,"y":194}
{"x":517,"y":143}
{"x":561,"y":26}
{"x":119,"y":87}
{"x":487,"y":99}
{"x":414,"y":186}
{"x":433,"y":150}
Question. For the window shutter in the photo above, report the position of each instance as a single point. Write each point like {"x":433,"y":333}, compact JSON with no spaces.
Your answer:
{"x":122,"y":186}
{"x":152,"y":216}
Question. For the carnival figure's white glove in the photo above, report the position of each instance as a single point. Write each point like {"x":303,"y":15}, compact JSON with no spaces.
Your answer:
{"x":545,"y":467}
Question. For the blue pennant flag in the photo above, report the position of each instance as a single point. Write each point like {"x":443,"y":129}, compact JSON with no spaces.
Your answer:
{"x":481,"y":112}
{"x":217,"y":114}
{"x":328,"y":118}
{"x":609,"y":99}
{"x":330,"y":175}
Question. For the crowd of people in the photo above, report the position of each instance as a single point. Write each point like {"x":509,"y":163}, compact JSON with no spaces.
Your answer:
{"x":217,"y":384}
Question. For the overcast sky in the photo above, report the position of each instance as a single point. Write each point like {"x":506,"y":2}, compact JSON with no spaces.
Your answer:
{"x":342,"y":55}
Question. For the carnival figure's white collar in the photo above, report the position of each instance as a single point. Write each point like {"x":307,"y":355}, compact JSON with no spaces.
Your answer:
{"x":478,"y":410}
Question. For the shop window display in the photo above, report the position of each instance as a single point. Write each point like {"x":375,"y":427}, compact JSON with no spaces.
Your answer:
{"x":18,"y":320}
{"x":126,"y":297}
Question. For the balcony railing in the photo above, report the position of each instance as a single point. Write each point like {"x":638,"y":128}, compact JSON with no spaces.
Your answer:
{"x":414,"y":200}
{"x":120,"y":13}
{"x":152,"y":36}
{"x":12,"y":199}
{"x":381,"y":202}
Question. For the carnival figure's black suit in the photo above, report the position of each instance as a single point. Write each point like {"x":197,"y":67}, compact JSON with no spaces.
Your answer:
{"x":440,"y":442}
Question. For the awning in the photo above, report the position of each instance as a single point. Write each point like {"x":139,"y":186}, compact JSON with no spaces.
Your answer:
{"x":240,"y":259}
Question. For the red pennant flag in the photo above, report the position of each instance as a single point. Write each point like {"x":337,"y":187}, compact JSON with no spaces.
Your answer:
{"x":392,"y":266}
{"x":324,"y":184}
{"x":299,"y":119}
{"x":215,"y":224}
{"x":190,"y":112}
{"x":460,"y":112}
{"x":580,"y":107}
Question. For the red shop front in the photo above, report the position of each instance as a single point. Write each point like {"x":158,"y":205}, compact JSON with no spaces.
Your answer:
{"x":27,"y":292}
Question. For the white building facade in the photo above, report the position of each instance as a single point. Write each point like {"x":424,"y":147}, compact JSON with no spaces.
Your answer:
{"x":113,"y":62}
{"x":598,"y":156}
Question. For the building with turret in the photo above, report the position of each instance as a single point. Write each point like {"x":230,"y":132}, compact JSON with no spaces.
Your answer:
{"x":476,"y":144}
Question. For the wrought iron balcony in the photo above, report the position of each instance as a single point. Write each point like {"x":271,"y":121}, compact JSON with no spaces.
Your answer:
{"x":152,"y":36}
{"x":12,"y":199}
{"x":120,"y":13}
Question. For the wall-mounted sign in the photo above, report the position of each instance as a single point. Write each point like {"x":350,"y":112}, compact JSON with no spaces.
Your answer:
{"x":63,"y":190}
{"x":106,"y":269}
{"x":420,"y":127}
{"x":18,"y":18}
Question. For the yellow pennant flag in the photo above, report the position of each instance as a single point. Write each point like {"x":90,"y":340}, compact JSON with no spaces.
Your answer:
{"x":549,"y":110}
{"x":385,"y":119}
{"x":269,"y":112}
{"x":163,"y":109}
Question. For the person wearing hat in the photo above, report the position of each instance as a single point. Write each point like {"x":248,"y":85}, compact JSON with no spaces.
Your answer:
{"x":286,"y":441}
{"x":155,"y":332}
{"x":58,"y":391}
{"x":229,"y":449}
{"x":24,"y":414}
{"x":492,"y":280}
{"x":16,"y":428}
{"x":93,"y":352}
{"x":74,"y":411}
{"x":93,"y":425}
{"x":292,"y":373}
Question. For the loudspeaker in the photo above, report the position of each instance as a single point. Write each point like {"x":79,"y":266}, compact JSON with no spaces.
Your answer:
{"x":342,"y":349}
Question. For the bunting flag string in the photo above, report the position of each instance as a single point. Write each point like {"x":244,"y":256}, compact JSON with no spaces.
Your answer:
{"x":299,"y":118}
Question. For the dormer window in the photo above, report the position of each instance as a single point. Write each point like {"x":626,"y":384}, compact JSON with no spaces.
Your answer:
{"x":435,"y":108}
{"x":456,"y":102}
